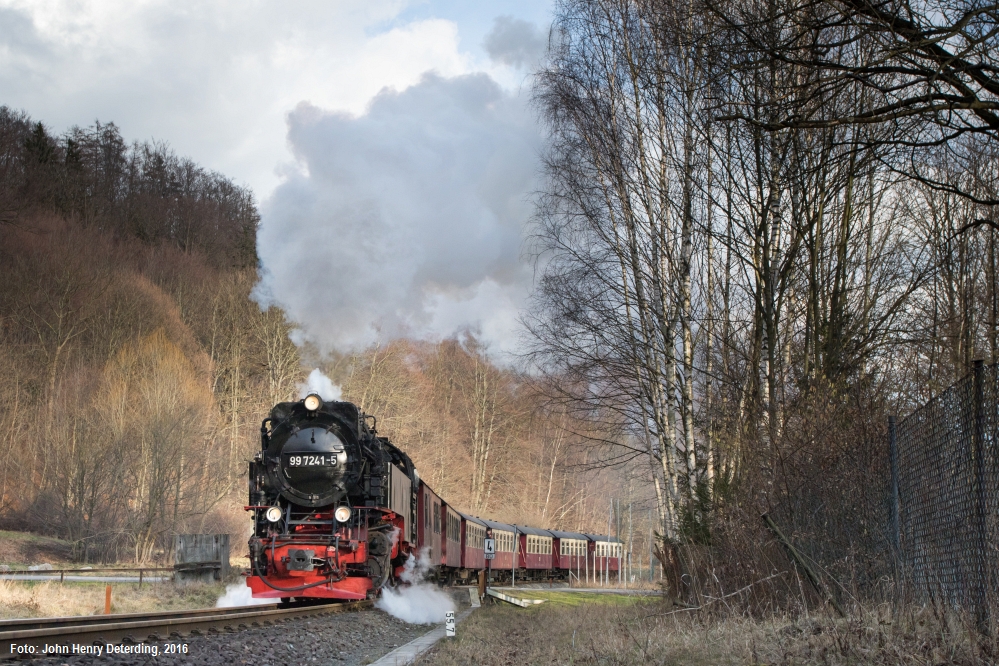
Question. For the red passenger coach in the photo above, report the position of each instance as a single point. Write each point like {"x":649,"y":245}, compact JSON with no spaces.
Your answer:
{"x":473,"y":536}
{"x":428,"y":534}
{"x":452,"y":538}
{"x":605,"y":552}
{"x":535,"y":551}
{"x":504,"y":536}
{"x":569,"y":552}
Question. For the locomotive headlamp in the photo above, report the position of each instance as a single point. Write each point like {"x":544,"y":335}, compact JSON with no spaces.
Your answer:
{"x":274,"y":514}
{"x":342,"y":514}
{"x":313,"y":402}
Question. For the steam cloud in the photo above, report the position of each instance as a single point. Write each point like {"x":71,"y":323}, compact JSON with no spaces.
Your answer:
{"x":406,"y":221}
{"x":416,"y":602}
{"x":321,"y":384}
{"x":238,"y":594}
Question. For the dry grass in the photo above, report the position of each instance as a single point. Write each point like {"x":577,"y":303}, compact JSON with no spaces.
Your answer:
{"x":52,"y":599}
{"x":23,"y":548}
{"x":609,"y":631}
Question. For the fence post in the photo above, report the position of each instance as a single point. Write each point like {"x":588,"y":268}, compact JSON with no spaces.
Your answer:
{"x":981,"y":592}
{"x":894,"y":524}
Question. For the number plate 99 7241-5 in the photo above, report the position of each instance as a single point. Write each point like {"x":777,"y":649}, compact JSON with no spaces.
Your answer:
{"x":312,"y":460}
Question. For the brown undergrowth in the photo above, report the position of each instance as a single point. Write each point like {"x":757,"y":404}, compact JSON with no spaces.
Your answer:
{"x":648,"y":632}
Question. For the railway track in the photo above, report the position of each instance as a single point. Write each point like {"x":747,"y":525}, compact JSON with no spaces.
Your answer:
{"x":28,"y":638}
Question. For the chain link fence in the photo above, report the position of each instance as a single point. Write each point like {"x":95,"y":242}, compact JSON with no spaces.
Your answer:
{"x":914,"y":519}
{"x":944,"y":496}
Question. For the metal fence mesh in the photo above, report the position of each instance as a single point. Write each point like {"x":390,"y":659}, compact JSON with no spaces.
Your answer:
{"x":944,"y":495}
{"x":914,"y":518}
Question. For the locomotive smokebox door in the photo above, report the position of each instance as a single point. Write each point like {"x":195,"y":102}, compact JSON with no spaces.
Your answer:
{"x":300,"y":560}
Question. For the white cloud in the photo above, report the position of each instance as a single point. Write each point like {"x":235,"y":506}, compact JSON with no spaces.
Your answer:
{"x":215,"y":79}
{"x":407,"y":219}
{"x":515,"y":42}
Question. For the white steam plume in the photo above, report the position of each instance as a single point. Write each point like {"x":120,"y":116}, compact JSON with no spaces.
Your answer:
{"x":238,"y":594}
{"x":321,"y":384}
{"x":405,"y":221}
{"x":416,"y":602}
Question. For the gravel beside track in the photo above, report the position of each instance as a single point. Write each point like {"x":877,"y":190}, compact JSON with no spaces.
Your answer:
{"x":343,"y":639}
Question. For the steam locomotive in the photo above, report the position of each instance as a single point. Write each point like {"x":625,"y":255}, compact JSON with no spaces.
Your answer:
{"x":338,"y":511}
{"x":332,"y":501}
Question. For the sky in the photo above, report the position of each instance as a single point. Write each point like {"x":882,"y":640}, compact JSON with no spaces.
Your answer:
{"x":389,"y":143}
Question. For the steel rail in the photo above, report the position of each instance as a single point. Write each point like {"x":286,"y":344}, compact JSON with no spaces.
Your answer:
{"x":141,"y":627}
